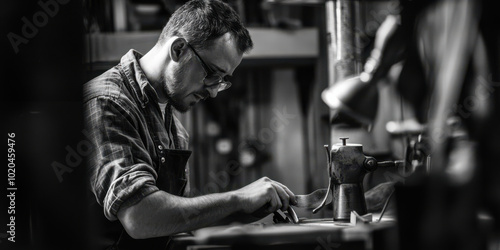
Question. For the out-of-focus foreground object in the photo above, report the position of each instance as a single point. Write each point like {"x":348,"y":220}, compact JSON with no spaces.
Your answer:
{"x":358,"y":96}
{"x":450,"y":55}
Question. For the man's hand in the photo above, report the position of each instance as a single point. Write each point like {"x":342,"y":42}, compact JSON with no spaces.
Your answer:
{"x":162,"y":214}
{"x":264,"y":194}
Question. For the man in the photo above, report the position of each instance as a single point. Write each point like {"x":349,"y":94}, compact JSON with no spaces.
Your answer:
{"x":138,"y":169}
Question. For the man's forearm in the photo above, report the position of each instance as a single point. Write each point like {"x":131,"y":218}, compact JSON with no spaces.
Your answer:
{"x":162,"y":214}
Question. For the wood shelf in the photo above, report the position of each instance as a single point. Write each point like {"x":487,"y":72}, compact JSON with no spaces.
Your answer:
{"x":271,"y":46}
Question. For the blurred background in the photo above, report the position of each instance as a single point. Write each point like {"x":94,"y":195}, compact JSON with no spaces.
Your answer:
{"x":424,"y":92}
{"x":272,"y":122}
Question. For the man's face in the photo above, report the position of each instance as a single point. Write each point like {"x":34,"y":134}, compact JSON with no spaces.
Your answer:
{"x":186,"y":85}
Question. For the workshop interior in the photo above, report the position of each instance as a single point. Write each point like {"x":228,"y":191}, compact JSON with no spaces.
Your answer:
{"x":382,"y":116}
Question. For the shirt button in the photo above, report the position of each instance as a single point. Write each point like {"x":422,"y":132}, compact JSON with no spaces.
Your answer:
{"x":162,"y":160}
{"x":160,"y":147}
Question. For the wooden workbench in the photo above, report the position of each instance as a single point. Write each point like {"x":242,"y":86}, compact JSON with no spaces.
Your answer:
{"x":308,"y":234}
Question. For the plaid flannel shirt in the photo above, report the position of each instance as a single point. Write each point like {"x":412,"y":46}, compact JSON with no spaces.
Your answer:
{"x":123,"y":167}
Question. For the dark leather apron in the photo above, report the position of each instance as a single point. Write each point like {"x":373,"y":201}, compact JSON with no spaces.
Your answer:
{"x":170,"y":166}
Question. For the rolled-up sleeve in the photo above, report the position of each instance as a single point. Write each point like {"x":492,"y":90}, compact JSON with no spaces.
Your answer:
{"x":121,"y":170}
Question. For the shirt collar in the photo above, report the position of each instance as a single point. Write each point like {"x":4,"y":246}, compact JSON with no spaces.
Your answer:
{"x":133,"y":71}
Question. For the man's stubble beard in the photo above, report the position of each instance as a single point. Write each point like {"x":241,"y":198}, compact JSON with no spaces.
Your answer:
{"x":171,"y":96}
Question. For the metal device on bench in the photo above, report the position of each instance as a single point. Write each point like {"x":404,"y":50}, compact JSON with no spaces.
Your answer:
{"x":347,"y":168}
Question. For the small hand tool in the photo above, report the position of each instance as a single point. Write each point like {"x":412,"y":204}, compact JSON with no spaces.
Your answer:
{"x":280,"y":217}
{"x":314,"y":199}
{"x":293,"y":215}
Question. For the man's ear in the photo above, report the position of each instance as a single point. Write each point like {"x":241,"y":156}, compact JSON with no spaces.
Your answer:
{"x":178,"y":48}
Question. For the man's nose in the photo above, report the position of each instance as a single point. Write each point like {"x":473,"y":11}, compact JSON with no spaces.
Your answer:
{"x":213,"y":90}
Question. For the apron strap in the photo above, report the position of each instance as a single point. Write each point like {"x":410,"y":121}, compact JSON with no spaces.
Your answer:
{"x":170,"y":125}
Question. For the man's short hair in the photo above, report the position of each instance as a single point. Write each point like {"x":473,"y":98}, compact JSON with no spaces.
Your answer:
{"x":202,"y":21}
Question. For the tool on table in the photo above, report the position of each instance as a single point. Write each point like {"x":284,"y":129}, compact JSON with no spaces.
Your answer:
{"x":308,"y":201}
{"x":347,"y":169}
{"x":360,"y":219}
{"x":314,"y":199}
{"x":291,"y":212}
{"x":281,"y":217}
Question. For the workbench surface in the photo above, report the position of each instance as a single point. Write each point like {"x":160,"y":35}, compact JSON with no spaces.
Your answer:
{"x":308,"y":234}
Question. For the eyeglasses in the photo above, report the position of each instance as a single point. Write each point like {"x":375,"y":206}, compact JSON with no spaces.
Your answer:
{"x":212,"y":79}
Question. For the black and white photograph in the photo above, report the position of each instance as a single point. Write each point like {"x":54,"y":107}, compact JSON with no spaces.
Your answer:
{"x":241,"y":125}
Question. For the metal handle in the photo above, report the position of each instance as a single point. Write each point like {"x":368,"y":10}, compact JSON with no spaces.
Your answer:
{"x":390,"y":163}
{"x":329,"y":164}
